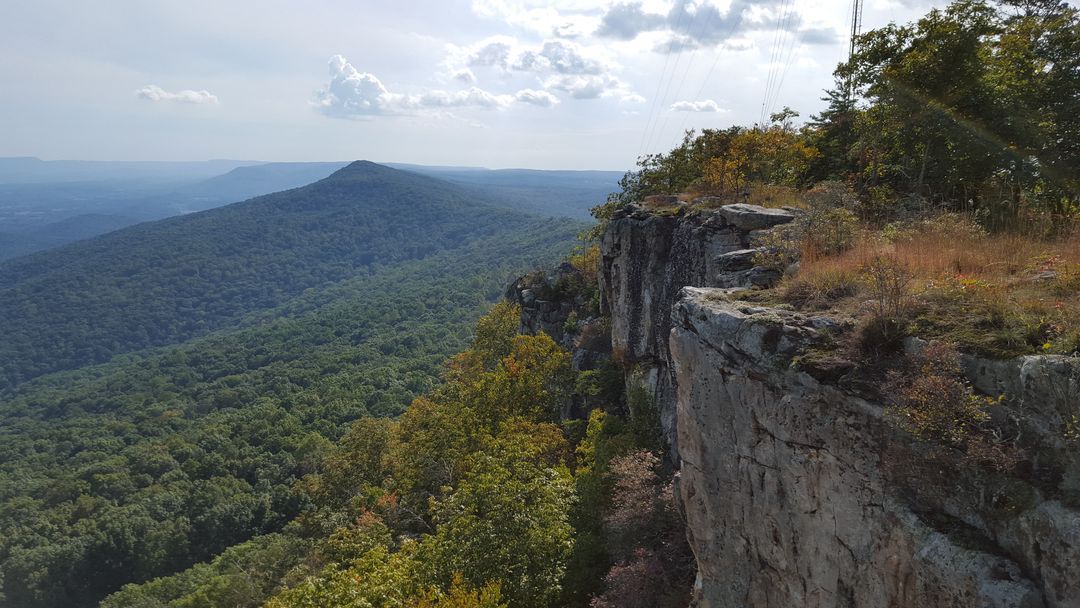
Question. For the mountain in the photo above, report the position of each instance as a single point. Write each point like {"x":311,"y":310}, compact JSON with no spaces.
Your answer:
{"x":41,"y":215}
{"x":245,"y":182}
{"x":168,"y":384}
{"x":166,"y":281}
{"x":61,"y":233}
{"x":28,"y":169}
{"x":550,"y":193}
{"x":64,"y":201}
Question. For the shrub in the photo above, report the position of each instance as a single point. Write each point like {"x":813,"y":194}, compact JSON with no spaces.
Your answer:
{"x":587,"y":261}
{"x":831,"y":194}
{"x":943,"y":227}
{"x":830,"y":231}
{"x":888,"y":281}
{"x":933,"y":401}
{"x":826,"y":228}
{"x":645,"y":537}
{"x":778,"y":248}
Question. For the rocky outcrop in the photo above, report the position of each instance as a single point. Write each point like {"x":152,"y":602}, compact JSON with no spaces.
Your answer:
{"x":561,"y":303}
{"x":648,"y":257}
{"x":799,"y":494}
{"x":796,"y":489}
{"x":551,"y":302}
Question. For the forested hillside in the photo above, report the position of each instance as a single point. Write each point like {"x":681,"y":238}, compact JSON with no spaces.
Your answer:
{"x":551,"y":193}
{"x":119,"y":472}
{"x":163,"y":282}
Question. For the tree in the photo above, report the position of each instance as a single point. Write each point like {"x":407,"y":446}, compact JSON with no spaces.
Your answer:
{"x":507,"y":521}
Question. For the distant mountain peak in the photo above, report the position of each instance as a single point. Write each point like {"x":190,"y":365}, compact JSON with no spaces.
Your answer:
{"x":367,"y":171}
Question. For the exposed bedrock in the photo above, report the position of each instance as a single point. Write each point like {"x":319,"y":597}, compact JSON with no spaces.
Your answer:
{"x":799,"y":494}
{"x":648,"y":257}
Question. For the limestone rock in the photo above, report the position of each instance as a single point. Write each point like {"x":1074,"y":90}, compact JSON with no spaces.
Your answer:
{"x":753,"y":217}
{"x":793,"y":497}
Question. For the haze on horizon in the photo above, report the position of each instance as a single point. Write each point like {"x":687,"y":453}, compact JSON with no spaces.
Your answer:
{"x":567,"y":84}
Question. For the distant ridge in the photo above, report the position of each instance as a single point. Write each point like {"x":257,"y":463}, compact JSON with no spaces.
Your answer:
{"x":166,"y":281}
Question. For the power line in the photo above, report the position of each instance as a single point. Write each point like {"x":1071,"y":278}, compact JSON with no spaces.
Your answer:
{"x":796,"y":41}
{"x":735,"y":20}
{"x":649,"y":134}
{"x":703,"y":27}
{"x":772,"y":53}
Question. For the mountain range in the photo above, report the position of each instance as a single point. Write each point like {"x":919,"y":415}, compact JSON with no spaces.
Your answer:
{"x":161,"y":385}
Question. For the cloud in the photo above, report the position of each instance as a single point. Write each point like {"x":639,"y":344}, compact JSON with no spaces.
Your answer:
{"x":355,"y":94}
{"x":625,"y":21}
{"x":569,"y":19}
{"x":694,"y":23}
{"x":561,"y":57}
{"x":819,"y":36}
{"x":464,"y":75}
{"x":559,"y":65}
{"x":507,"y":54}
{"x":494,"y":51}
{"x":536,"y":98}
{"x":705,"y":105}
{"x":155,"y":93}
{"x":585,"y":86}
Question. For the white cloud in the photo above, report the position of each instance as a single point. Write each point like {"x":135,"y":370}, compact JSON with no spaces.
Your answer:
{"x":507,"y":54}
{"x":560,"y":65}
{"x":625,"y":21}
{"x":586,"y":86}
{"x":471,"y":97}
{"x":536,"y":98}
{"x":695,"y":23}
{"x":559,"y":18}
{"x":705,"y":105}
{"x":155,"y":93}
{"x":464,"y":75}
{"x":353,"y":94}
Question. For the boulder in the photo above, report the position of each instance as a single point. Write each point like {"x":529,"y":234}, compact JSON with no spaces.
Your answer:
{"x":753,"y":217}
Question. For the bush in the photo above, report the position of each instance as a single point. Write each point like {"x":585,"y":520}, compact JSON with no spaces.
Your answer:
{"x":888,"y":281}
{"x":933,"y":401}
{"x":828,"y":227}
{"x":646,"y":538}
{"x":778,"y":248}
{"x":830,"y":231}
{"x":945,"y":227}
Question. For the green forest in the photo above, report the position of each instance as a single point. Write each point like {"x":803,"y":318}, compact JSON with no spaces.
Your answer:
{"x":315,"y":398}
{"x":162,"y":458}
{"x":163,"y":282}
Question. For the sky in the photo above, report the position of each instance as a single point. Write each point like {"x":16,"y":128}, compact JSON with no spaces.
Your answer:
{"x":562,"y":84}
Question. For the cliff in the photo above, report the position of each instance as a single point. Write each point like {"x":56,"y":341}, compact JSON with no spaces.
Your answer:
{"x":648,"y":257}
{"x":797,"y":493}
{"x":796,"y":489}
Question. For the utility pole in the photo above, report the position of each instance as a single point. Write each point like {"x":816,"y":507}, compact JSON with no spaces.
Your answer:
{"x":856,"y":25}
{"x":856,"y":29}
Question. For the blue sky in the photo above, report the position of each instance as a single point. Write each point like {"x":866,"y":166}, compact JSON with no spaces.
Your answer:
{"x":576,"y":84}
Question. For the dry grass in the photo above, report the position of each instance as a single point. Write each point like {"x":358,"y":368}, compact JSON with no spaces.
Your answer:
{"x":767,"y":195}
{"x":1000,"y":295}
{"x":764,"y":195}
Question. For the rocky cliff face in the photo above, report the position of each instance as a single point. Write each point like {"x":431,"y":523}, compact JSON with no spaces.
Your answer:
{"x":796,"y":492}
{"x":647,"y":257}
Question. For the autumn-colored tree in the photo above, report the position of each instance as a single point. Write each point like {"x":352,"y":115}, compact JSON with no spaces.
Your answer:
{"x":462,"y":595}
{"x":645,"y":537}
